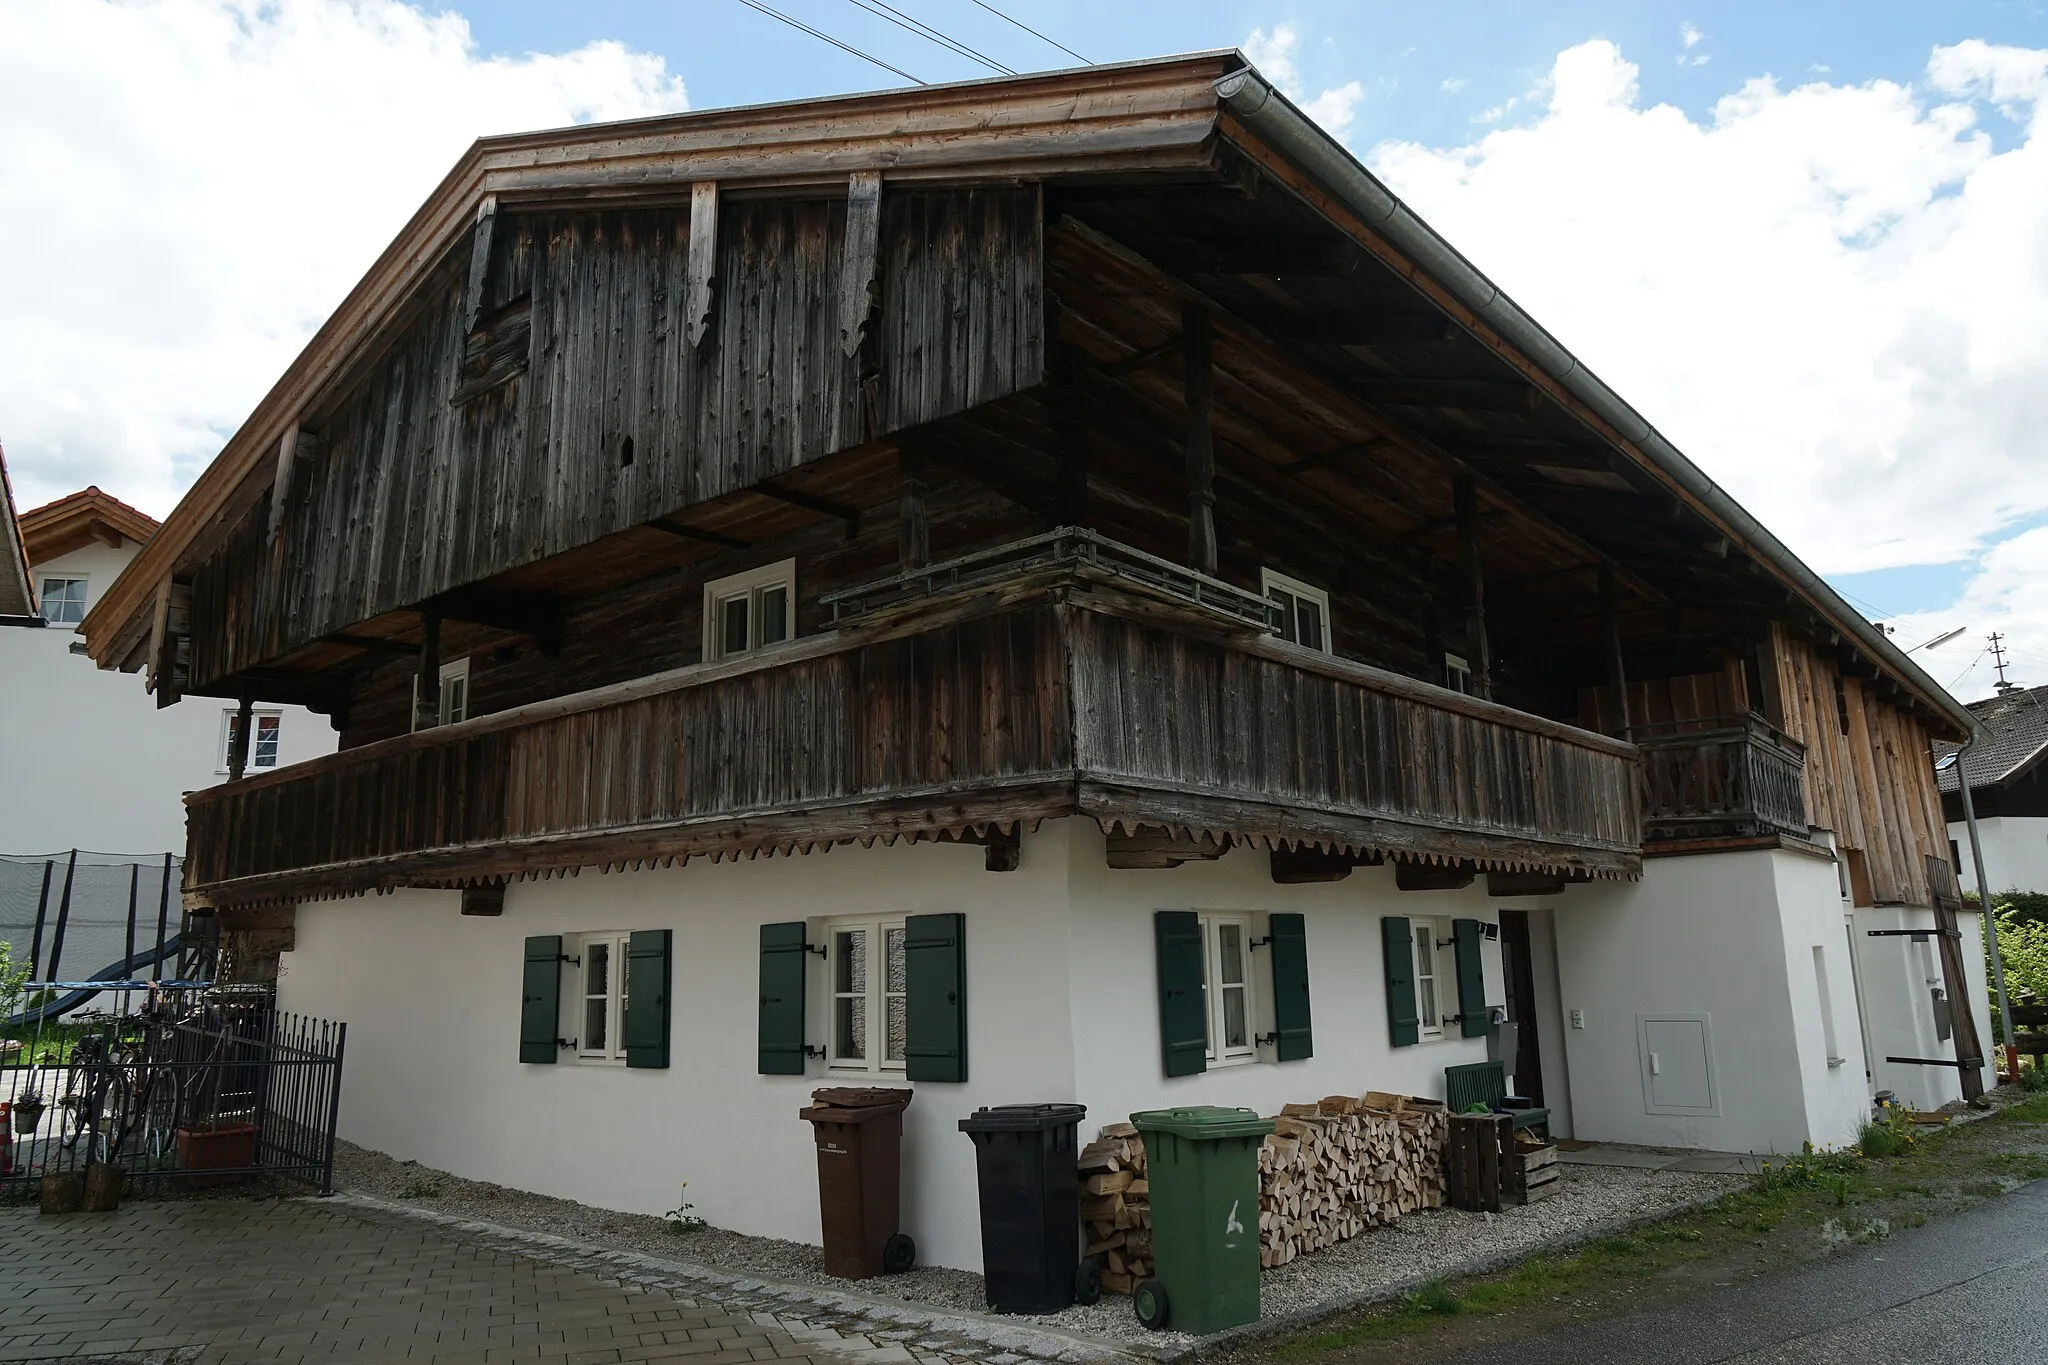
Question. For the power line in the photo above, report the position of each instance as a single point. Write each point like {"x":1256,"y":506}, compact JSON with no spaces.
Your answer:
{"x":757,"y":6}
{"x":1035,"y":33}
{"x":925,"y":31}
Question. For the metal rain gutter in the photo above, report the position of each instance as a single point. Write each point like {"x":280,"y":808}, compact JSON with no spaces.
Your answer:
{"x":1256,"y":104}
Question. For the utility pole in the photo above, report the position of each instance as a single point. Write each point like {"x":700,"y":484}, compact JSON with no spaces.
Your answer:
{"x":1998,"y":662}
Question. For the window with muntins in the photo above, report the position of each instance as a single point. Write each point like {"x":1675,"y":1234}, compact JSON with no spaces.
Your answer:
{"x":1426,"y":1001}
{"x":749,"y":610}
{"x":869,"y":1016}
{"x":1303,"y":610}
{"x":1457,"y":674}
{"x":455,"y":692}
{"x":63,"y":598}
{"x":262,"y":744}
{"x":1227,"y":987}
{"x":601,"y":998}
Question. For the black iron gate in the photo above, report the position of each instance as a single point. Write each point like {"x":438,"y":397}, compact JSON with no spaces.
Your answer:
{"x":195,"y":1095}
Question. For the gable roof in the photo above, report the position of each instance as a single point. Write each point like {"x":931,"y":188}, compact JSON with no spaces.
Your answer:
{"x":1165,"y":116}
{"x":2015,"y":739}
{"x":77,"y":520}
{"x":16,"y":597}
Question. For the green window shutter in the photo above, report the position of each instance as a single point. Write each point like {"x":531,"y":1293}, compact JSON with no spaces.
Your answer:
{"x":1288,"y":941}
{"x":1183,"y":1022}
{"x":540,"y":999}
{"x":783,"y":954}
{"x":647,"y":998}
{"x":935,"y":1003}
{"x":1397,"y":951}
{"x":1472,"y":1014}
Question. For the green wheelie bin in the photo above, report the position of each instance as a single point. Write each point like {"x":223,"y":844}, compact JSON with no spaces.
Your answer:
{"x":1203,"y":1164}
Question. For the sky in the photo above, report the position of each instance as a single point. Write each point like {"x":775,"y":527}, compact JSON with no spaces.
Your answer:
{"x":1809,"y":242}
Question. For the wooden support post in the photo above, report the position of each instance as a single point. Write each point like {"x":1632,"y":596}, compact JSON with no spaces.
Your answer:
{"x":1433,"y":669}
{"x":1070,"y":439}
{"x":1478,"y":652}
{"x":703,"y":277}
{"x":238,"y":743}
{"x":427,"y":686}
{"x":1197,"y":330}
{"x":1610,"y":630}
{"x":913,"y":529}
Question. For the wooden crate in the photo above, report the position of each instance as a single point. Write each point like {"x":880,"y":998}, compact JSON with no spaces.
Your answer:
{"x":1531,"y":1173}
{"x":1475,"y":1160}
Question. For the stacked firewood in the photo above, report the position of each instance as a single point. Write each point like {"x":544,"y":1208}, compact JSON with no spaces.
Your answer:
{"x":1344,"y":1164}
{"x":1116,"y":1206}
{"x":1330,"y":1171}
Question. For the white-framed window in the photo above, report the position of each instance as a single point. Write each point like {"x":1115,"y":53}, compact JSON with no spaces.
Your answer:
{"x":748,"y":610}
{"x":1304,"y":610}
{"x":454,"y":704}
{"x":1457,"y":674}
{"x":867,"y":965}
{"x":600,"y":1019}
{"x":1227,"y":990}
{"x":63,"y":598}
{"x":269,"y":725}
{"x":1428,"y":981}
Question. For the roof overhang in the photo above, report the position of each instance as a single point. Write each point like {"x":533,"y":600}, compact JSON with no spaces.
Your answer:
{"x":17,"y":598}
{"x":79,"y":519}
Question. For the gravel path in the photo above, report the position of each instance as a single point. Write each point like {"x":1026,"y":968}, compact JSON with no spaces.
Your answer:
{"x":1441,"y":1242}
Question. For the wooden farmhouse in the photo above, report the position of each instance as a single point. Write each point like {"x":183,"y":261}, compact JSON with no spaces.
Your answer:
{"x":1054,"y":588}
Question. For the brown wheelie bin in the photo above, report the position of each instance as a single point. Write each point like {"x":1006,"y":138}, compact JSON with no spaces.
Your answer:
{"x":860,"y":1142}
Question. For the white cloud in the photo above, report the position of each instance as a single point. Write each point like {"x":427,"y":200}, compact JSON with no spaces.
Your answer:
{"x":1272,"y":52}
{"x":1829,"y":296}
{"x":1451,"y":85}
{"x":1690,"y":35}
{"x":198,"y":182}
{"x":2005,"y":596}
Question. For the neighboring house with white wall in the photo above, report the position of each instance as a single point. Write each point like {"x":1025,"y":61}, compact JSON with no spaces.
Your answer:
{"x":2008,"y":775}
{"x":91,"y":761}
{"x":1042,"y":590}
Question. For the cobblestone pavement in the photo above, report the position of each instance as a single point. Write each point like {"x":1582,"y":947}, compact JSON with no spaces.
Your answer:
{"x":220,"y":1281}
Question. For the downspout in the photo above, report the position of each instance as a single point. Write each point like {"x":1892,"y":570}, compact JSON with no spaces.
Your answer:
{"x":1257,"y":105}
{"x":1984,"y":888}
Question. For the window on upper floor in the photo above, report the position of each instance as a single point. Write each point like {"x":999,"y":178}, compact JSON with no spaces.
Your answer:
{"x":1457,"y":674}
{"x":262,"y":743}
{"x":748,"y":610}
{"x":1303,"y":610}
{"x":454,"y":703}
{"x":63,"y":598}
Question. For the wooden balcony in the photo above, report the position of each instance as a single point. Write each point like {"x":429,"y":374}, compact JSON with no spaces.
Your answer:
{"x":1064,"y":675}
{"x":1731,"y":778}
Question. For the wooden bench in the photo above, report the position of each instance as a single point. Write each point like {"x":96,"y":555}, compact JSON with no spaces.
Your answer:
{"x":1486,"y":1083}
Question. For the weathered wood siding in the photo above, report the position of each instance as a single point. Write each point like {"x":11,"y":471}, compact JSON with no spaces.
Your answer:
{"x":1032,"y":711}
{"x":1169,"y":711}
{"x":410,"y":493}
{"x":1869,"y":770}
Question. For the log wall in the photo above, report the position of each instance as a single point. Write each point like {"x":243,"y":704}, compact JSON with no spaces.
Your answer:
{"x":576,"y":406}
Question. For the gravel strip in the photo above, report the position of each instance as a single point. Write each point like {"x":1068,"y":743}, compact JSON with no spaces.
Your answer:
{"x":1595,"y":1201}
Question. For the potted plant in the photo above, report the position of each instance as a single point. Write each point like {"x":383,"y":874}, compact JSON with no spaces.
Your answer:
{"x":216,"y":1151}
{"x":27,"y":1112}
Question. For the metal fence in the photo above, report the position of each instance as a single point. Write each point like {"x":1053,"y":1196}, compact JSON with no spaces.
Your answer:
{"x":201,"y":1094}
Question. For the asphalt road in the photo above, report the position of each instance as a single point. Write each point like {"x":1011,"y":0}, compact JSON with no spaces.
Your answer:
{"x":1968,"y":1288}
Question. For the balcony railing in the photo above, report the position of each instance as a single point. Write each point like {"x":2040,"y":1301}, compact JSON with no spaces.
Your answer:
{"x":1728,"y":778}
{"x":1074,"y":678}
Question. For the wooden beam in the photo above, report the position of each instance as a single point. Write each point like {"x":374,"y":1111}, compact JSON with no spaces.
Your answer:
{"x":485,"y":900}
{"x":1382,"y":330}
{"x":1317,"y":460}
{"x":481,"y":235}
{"x":1299,"y":866}
{"x":426,"y":693}
{"x":1478,"y":651}
{"x":1610,"y":631}
{"x":859,"y":290}
{"x":1456,"y":394}
{"x":1319,"y":254}
{"x":1434,"y":876}
{"x":810,"y":502}
{"x":371,"y":644}
{"x":238,"y":742}
{"x":1138,"y":360}
{"x":1201,"y":449}
{"x":913,"y":527}
{"x":703,"y":264}
{"x":519,"y":613}
{"x":699,"y":534}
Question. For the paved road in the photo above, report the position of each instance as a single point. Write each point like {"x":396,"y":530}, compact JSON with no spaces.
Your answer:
{"x":1965,"y":1289}
{"x":244,"y":1281}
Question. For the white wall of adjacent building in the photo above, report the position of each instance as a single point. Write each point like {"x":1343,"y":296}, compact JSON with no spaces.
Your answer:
{"x":89,"y":759}
{"x":2015,"y":852}
{"x":1062,"y":1006}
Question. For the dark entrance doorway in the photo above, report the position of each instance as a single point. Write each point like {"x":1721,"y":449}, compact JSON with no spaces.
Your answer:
{"x":1520,"y":971}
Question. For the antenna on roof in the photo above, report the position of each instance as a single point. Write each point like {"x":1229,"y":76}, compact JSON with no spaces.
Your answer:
{"x":1998,"y":662}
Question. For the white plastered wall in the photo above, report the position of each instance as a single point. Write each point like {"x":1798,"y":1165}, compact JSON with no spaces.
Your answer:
{"x":1062,"y":1006}
{"x":90,"y":760}
{"x":2015,"y":852}
{"x":1728,"y":936}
